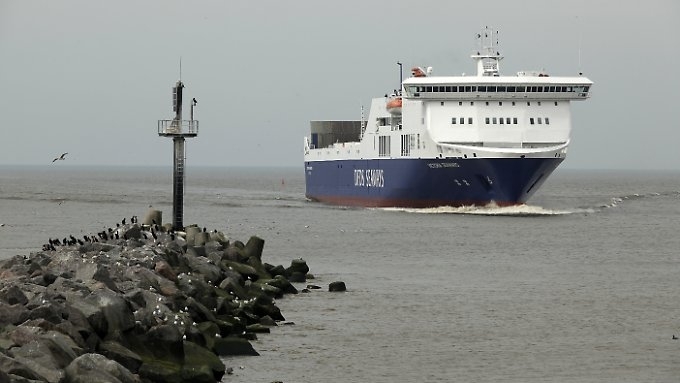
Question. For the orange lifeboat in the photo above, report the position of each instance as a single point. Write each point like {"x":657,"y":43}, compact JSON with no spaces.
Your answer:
{"x":418,"y":72}
{"x":394,"y":105}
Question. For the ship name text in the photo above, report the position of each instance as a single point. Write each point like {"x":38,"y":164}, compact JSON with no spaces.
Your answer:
{"x":369,"y":178}
{"x":438,"y":165}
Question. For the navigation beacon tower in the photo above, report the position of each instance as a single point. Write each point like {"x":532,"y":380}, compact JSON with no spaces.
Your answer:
{"x":178,"y":129}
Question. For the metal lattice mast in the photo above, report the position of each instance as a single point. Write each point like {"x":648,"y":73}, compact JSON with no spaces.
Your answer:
{"x":178,"y":129}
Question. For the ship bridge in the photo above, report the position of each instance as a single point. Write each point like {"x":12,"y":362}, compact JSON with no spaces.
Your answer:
{"x":471,"y":88}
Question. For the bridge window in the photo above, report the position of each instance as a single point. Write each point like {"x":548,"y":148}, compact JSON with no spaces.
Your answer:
{"x":469,"y":120}
{"x":540,"y":121}
{"x":547,"y":121}
{"x":531,"y":120}
{"x":453,"y":121}
{"x":461,"y":120}
{"x":507,"y":120}
{"x":514,"y":120}
{"x":494,"y":120}
{"x":501,"y":120}
{"x":486,"y":120}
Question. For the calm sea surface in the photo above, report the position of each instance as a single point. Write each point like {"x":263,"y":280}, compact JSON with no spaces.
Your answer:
{"x":581,"y":285}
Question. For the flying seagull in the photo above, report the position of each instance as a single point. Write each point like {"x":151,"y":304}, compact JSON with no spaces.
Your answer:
{"x":62,"y":157}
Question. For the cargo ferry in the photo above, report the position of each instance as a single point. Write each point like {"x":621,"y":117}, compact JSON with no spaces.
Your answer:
{"x":447,"y":140}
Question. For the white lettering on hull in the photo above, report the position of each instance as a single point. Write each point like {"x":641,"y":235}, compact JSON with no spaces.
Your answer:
{"x":437,"y":165}
{"x":369,"y":178}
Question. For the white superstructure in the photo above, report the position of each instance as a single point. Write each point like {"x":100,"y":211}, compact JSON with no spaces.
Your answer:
{"x":483,"y":116}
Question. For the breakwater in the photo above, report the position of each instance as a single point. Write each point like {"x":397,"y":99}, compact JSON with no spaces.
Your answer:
{"x":138,"y":302}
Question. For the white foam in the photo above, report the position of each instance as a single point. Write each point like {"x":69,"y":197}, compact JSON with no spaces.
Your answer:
{"x":494,"y":210}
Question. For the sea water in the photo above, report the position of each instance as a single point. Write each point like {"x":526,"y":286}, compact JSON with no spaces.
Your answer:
{"x":580,"y":285}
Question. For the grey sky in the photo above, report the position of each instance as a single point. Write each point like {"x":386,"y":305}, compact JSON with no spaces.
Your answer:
{"x":93,"y":77}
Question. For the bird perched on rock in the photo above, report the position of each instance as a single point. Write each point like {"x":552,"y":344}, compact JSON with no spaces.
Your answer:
{"x":62,"y":157}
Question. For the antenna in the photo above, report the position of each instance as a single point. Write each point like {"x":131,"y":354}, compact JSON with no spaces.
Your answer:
{"x":580,"y":38}
{"x":401,"y":76}
{"x":180,"y":68}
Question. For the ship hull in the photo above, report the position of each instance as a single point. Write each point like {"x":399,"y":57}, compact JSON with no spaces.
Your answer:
{"x":422,"y":183}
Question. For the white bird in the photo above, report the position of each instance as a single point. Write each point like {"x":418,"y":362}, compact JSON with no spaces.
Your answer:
{"x":62,"y":157}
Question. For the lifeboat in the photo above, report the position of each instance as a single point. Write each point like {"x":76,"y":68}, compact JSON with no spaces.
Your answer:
{"x":418,"y":72}
{"x":394,"y":105}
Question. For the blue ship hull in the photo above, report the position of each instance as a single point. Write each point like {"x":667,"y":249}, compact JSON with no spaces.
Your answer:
{"x":426,"y":182}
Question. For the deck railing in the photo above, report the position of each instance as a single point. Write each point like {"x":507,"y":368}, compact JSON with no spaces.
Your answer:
{"x":177,"y":127}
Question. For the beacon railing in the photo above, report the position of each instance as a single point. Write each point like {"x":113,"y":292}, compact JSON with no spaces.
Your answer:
{"x":187,"y":128}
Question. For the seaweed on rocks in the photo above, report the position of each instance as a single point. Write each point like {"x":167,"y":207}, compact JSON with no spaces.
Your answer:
{"x":140,"y":302}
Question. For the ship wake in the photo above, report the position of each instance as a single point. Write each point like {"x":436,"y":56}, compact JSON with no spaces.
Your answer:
{"x":525,"y":210}
{"x":618,"y":201}
{"x":492,"y":209}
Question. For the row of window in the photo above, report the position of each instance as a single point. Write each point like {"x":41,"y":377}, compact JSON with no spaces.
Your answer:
{"x":461,"y":120}
{"x":501,"y":88}
{"x":501,"y":120}
{"x":500,"y":103}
